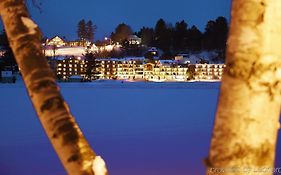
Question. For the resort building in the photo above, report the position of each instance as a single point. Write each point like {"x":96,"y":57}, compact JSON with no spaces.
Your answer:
{"x":106,"y":68}
{"x":137,"y":69}
{"x":130,"y":69}
{"x":71,"y":66}
{"x":166,"y":70}
{"x":207,"y":71}
{"x":125,"y":68}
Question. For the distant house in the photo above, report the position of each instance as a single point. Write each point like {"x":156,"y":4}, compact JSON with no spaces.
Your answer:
{"x":134,"y":40}
{"x":56,"y":41}
{"x":7,"y":77}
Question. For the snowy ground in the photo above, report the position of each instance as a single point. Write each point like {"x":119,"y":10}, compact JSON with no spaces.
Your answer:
{"x":138,"y":128}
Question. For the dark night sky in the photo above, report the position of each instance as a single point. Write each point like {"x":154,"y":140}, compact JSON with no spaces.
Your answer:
{"x":60,"y":17}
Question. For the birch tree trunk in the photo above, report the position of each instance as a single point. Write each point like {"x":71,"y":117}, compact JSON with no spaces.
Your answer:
{"x":66,"y":137}
{"x":247,"y":119}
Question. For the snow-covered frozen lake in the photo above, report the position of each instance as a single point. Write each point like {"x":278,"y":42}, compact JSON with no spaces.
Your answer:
{"x":138,"y":128}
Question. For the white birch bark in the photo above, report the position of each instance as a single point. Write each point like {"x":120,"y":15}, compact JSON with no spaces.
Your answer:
{"x":247,"y":119}
{"x":53,"y":112}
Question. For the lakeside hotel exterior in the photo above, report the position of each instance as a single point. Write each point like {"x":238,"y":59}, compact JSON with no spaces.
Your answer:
{"x":71,"y":66}
{"x":140,"y":69}
{"x":207,"y":71}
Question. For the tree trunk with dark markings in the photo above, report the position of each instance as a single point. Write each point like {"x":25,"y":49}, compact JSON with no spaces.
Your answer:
{"x":247,"y":119}
{"x":66,"y":137}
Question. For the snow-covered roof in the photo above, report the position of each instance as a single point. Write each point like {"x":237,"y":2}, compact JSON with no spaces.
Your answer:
{"x":134,"y":37}
{"x":60,"y":58}
{"x":65,"y":51}
{"x":76,"y":77}
{"x":122,"y":59}
{"x":56,"y":38}
{"x":168,"y":62}
{"x":152,"y":49}
{"x":209,"y":56}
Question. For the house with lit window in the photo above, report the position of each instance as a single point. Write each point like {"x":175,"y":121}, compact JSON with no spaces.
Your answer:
{"x":56,"y":41}
{"x":134,"y":40}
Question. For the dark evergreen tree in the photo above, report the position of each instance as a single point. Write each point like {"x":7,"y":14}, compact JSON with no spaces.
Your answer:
{"x":90,"y":31}
{"x":160,"y":29}
{"x":180,"y":36}
{"x":81,"y":30}
{"x":194,"y":39}
{"x":208,"y":42}
{"x":146,"y":34}
{"x":215,"y":35}
{"x":163,"y":35}
{"x":91,"y":65}
{"x":122,"y":33}
{"x":221,"y":32}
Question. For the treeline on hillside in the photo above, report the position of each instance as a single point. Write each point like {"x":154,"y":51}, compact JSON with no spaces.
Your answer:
{"x":179,"y":37}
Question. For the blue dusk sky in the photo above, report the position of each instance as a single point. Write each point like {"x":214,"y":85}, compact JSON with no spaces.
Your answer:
{"x":61,"y":17}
